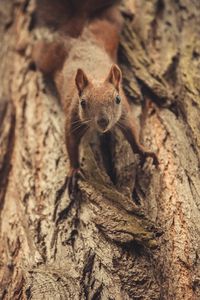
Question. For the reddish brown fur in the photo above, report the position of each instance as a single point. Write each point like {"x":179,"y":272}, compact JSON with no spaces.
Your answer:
{"x":107,"y":36}
{"x":49,"y":56}
{"x":70,"y":16}
{"x":96,"y":84}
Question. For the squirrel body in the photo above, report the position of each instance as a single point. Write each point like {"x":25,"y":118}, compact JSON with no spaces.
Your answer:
{"x":89,"y":85}
{"x":70,"y":16}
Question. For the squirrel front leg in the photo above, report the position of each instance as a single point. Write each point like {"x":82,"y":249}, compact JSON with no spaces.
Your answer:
{"x":129,"y":131}
{"x":74,"y":133}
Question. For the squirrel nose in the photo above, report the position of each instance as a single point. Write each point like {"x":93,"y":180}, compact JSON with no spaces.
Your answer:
{"x":103,"y":122}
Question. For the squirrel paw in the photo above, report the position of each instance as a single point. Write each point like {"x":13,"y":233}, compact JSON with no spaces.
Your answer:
{"x":153,"y":156}
{"x":72,"y":178}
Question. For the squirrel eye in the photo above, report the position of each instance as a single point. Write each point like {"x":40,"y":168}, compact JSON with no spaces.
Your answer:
{"x":117,"y":99}
{"x":83,"y":103}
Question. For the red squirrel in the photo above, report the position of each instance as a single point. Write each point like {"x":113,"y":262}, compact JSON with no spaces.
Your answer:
{"x":89,"y":83}
{"x":70,"y":16}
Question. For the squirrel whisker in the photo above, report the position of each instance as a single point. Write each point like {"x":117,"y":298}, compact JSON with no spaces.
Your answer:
{"x":79,"y":125}
{"x":120,"y":125}
{"x":80,"y":121}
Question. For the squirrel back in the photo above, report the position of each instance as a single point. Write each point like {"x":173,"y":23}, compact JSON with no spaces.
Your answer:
{"x":70,"y":16}
{"x":104,"y":30}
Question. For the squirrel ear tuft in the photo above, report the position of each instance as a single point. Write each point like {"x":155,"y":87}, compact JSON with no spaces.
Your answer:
{"x":115,"y":76}
{"x":81,"y":80}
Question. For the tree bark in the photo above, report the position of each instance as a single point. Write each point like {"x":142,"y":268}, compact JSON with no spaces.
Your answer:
{"x":104,"y":243}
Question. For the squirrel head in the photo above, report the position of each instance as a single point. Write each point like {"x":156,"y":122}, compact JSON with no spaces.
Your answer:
{"x":100,"y":104}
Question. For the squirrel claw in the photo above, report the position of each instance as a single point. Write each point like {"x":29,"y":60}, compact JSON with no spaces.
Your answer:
{"x":72,"y":182}
{"x":72,"y":178}
{"x":81,"y":174}
{"x":152,"y":155}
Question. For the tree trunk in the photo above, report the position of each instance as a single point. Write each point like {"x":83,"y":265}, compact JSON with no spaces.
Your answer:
{"x":101,"y":244}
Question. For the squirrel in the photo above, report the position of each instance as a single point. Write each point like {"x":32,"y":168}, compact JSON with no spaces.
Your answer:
{"x":89,"y":83}
{"x":70,"y":16}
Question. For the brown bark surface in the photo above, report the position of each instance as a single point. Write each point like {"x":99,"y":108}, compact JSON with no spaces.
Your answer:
{"x":100,"y":245}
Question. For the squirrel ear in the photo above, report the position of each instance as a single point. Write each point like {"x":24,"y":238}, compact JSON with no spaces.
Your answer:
{"x":81,"y":80}
{"x":115,"y":76}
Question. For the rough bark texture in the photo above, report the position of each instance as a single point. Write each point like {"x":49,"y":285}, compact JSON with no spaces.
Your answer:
{"x":100,"y":244}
